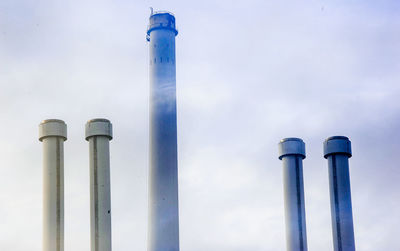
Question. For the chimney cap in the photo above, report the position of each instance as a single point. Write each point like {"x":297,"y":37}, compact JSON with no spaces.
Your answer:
{"x":98,"y":127}
{"x":337,"y":145}
{"x":292,"y":146}
{"x":52,"y":128}
{"x":161,"y":20}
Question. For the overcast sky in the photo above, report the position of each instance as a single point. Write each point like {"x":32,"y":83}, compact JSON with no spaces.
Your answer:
{"x":249,"y":73}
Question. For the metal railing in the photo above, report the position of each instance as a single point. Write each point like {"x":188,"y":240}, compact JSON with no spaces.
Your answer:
{"x":163,"y":12}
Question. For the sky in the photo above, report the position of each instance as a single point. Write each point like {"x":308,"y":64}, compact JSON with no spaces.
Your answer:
{"x":249,"y":73}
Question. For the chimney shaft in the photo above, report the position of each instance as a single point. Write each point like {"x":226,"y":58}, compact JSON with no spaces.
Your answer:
{"x":292,"y":153}
{"x":163,"y":174}
{"x":337,"y":150}
{"x":53,"y":133}
{"x":99,"y":132}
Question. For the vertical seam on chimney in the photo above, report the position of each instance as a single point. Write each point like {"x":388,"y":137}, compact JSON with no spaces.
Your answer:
{"x":58,"y":187}
{"x":336,"y":194}
{"x":96,"y":195}
{"x":300,"y":218}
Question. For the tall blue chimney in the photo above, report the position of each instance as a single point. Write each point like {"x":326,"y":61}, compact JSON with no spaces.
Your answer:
{"x":163,"y":232}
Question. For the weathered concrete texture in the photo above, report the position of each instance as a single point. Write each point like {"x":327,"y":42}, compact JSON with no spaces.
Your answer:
{"x":53,"y":133}
{"x":99,"y":132}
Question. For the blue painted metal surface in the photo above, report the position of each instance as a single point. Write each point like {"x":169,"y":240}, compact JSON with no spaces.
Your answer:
{"x":337,"y":150}
{"x":163,"y":232}
{"x":292,"y":153}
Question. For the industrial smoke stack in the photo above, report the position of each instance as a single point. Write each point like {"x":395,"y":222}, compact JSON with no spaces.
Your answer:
{"x":163,"y":232}
{"x":53,"y":133}
{"x":337,"y":150}
{"x":99,"y":132}
{"x":292,"y":153}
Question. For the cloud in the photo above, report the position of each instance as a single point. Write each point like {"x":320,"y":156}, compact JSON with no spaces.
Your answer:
{"x":248,"y":74}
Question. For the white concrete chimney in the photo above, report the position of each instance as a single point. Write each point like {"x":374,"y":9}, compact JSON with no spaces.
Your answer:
{"x":53,"y":133}
{"x":99,"y":132}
